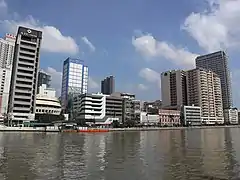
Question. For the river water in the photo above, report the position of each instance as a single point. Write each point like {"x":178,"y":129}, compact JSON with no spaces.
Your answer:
{"x":153,"y":155}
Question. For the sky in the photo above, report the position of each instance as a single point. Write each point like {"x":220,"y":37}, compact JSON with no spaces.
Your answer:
{"x":134,"y":40}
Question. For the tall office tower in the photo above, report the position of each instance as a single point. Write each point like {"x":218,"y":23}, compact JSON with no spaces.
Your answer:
{"x":108,"y":85}
{"x":173,"y":86}
{"x":43,"y":78}
{"x":23,"y":87}
{"x":218,"y":63}
{"x":74,"y":80}
{"x":6,"y":50}
{"x":204,"y":90}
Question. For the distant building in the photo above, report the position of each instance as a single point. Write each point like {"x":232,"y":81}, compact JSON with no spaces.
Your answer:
{"x":43,"y":78}
{"x":97,"y":109}
{"x":47,"y":102}
{"x":7,"y":45}
{"x":23,"y":87}
{"x":149,"y":118}
{"x":5,"y":79}
{"x":218,"y":63}
{"x":174,"y":92}
{"x":108,"y":85}
{"x":124,"y":95}
{"x":169,"y":117}
{"x":231,"y":116}
{"x":74,"y":81}
{"x":204,"y":90}
{"x":192,"y":115}
{"x":152,"y":107}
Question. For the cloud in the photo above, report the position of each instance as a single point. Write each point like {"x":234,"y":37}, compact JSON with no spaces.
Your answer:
{"x":149,"y":75}
{"x":88,"y":43}
{"x":217,"y":26}
{"x":3,"y":4}
{"x":92,"y":84}
{"x":53,"y":39}
{"x":142,"y":87}
{"x":148,"y":46}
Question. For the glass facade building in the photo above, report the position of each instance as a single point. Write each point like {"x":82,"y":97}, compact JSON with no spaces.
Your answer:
{"x":74,"y":80}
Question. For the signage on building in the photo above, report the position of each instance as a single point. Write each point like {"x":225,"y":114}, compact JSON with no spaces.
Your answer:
{"x":29,"y":32}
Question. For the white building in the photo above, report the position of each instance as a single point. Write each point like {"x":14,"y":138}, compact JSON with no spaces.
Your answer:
{"x":6,"y":50}
{"x":231,"y":116}
{"x":204,"y":90}
{"x":74,"y":80}
{"x":47,"y":102}
{"x":149,"y":118}
{"x":192,"y":115}
{"x":5,"y":78}
{"x":6,"y":58}
{"x":173,"y":89}
{"x":92,"y":109}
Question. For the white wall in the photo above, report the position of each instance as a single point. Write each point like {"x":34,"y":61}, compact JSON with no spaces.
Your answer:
{"x":144,"y":118}
{"x":48,"y":92}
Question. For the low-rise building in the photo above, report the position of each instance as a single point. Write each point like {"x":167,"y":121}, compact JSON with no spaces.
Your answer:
{"x":192,"y":115}
{"x":47,"y":102}
{"x":231,"y":116}
{"x":114,"y":107}
{"x":169,"y":117}
{"x":98,"y":109}
{"x":149,"y":119}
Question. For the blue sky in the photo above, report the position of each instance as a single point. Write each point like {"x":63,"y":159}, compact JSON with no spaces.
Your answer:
{"x":134,"y":40}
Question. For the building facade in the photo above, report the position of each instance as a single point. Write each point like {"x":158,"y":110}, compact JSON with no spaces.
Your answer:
{"x":204,"y":90}
{"x":74,"y":81}
{"x":47,"y":102}
{"x":23,"y":86}
{"x":218,"y":63}
{"x":43,"y":78}
{"x":98,"y":109}
{"x":169,"y":117}
{"x":7,"y":45}
{"x":149,"y":119}
{"x":231,"y":116}
{"x":192,"y":115}
{"x":173,"y":86}
{"x":5,"y":79}
{"x":108,"y":85}
{"x":114,"y":107}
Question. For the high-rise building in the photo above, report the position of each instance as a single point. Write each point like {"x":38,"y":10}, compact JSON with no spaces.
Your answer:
{"x":6,"y":50}
{"x":6,"y":58}
{"x":74,"y":80}
{"x":204,"y":90}
{"x":108,"y":85}
{"x":23,"y":87}
{"x":173,"y":86}
{"x":218,"y":63}
{"x":43,"y":78}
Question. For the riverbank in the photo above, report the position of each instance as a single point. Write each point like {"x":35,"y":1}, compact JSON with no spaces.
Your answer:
{"x":90,"y":130}
{"x":170,"y":128}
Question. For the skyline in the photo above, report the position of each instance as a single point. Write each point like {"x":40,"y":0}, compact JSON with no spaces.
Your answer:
{"x":130,"y":42}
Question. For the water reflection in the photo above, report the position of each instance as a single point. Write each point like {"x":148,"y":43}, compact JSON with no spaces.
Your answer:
{"x":179,"y":154}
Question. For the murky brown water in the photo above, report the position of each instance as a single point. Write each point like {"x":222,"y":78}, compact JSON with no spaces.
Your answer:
{"x":160,"y":155}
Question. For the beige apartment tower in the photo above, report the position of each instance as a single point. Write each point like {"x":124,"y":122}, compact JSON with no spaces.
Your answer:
{"x":204,"y":90}
{"x":218,"y":63}
{"x":173,"y":89}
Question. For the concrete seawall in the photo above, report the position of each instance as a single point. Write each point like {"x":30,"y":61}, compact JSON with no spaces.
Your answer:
{"x":170,"y":128}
